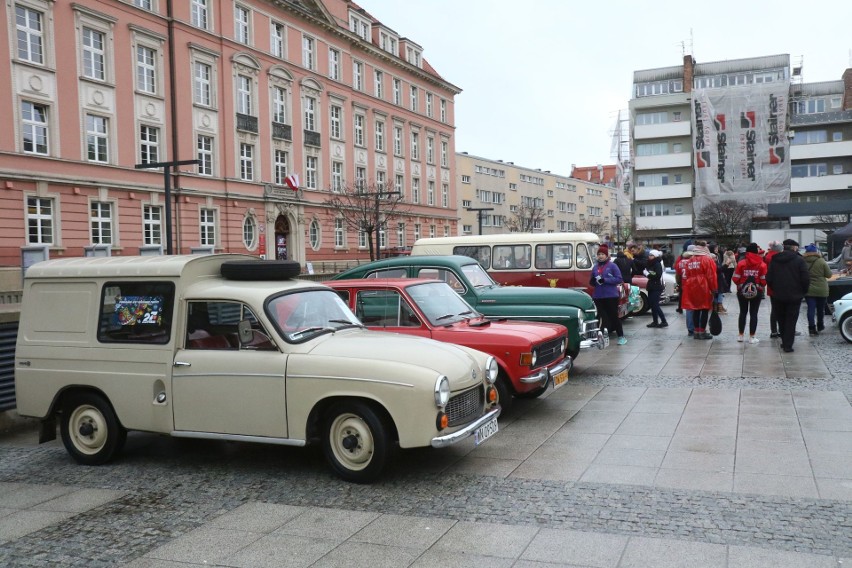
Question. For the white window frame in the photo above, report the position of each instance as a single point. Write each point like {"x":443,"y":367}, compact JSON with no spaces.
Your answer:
{"x":334,"y":64}
{"x":152,"y":224}
{"x":200,"y":14}
{"x":399,"y":186}
{"x":445,"y":154}
{"x":358,"y":75}
{"x":443,"y":110}
{"x":430,"y":192}
{"x":358,"y":122}
{"x":379,"y":83}
{"x":414,"y":98}
{"x":314,"y":234}
{"x":35,"y":128}
{"x":429,"y":105}
{"x":336,"y":176}
{"x":359,"y":26}
{"x":279,"y":104}
{"x":149,"y":144}
{"x":310,"y":114}
{"x":242,"y":24}
{"x":400,"y":235}
{"x":279,"y":165}
{"x":202,"y":83}
{"x":30,"y":35}
{"x":250,"y":231}
{"x":339,"y":234}
{"x":146,"y":69}
{"x":397,"y":141}
{"x":397,"y":91}
{"x":311,"y":172}
{"x":97,"y":138}
{"x":335,"y":121}
{"x":415,"y":190}
{"x":101,"y":222}
{"x":204,"y":151}
{"x":430,"y":150}
{"x":278,"y":39}
{"x":380,"y":136}
{"x":207,"y":226}
{"x":415,"y":145}
{"x":94,"y":56}
{"x":445,"y":195}
{"x":246,"y":161}
{"x":308,"y":52}
{"x":245,"y":93}
{"x":42,"y":221}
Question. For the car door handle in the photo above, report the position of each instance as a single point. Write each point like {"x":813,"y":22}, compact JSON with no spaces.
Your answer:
{"x":182,"y":364}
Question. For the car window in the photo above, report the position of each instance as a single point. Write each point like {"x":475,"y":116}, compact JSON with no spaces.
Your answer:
{"x":389,"y":273}
{"x":544,"y":256}
{"x":440,"y":303}
{"x":481,"y":254}
{"x":443,"y":275}
{"x":512,"y":256}
{"x":477,"y":276}
{"x":301,"y":316}
{"x":384,"y":308}
{"x":213,"y":325}
{"x":136,"y":312}
{"x":584,"y":259}
{"x":563,"y":256}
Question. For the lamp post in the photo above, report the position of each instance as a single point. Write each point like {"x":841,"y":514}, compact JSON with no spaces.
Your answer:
{"x":167,"y":177}
{"x":479,"y":211}
{"x":379,"y":194}
{"x":617,"y":228}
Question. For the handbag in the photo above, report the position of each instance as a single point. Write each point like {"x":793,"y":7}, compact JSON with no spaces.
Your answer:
{"x":715,"y":323}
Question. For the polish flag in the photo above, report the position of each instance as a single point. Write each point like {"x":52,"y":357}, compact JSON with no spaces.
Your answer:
{"x":292,"y":181}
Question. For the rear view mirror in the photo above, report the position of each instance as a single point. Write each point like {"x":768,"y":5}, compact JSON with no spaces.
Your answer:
{"x":245,"y":332}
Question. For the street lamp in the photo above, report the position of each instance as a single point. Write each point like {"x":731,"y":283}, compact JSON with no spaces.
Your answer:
{"x":479,"y":211}
{"x":379,"y":194}
{"x":167,"y":171}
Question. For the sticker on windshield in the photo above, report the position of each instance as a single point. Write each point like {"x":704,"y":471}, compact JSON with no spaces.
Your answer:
{"x":132,"y":310}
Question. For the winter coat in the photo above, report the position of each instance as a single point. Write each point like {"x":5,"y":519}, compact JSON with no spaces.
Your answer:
{"x":700,"y":281}
{"x":610,"y":280}
{"x":640,"y":263}
{"x":655,"y":274}
{"x":767,"y":258}
{"x":625,"y":265}
{"x":751,"y":265}
{"x":819,"y":272}
{"x":788,"y":276}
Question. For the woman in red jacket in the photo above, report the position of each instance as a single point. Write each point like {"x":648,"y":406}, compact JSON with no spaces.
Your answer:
{"x":699,"y":287}
{"x":750,"y":278}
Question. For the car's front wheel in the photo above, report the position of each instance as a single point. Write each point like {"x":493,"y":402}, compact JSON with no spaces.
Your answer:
{"x":846,"y":326}
{"x":504,"y":392}
{"x":90,"y":430}
{"x":356,"y":441}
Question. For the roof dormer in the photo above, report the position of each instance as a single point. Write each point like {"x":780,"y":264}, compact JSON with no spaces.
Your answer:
{"x":412,"y":52}
{"x":359,"y":25}
{"x":388,"y":40}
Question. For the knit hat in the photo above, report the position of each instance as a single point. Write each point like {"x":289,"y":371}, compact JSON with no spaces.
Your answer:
{"x":752,"y":247}
{"x":655,"y":253}
{"x":603,"y":249}
{"x":811,"y":248}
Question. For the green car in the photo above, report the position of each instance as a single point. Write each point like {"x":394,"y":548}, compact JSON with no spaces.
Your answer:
{"x":571,"y":308}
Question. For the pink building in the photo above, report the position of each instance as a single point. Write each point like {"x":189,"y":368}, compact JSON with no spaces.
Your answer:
{"x":255,"y":90}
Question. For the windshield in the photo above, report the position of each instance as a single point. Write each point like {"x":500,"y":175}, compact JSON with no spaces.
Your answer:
{"x":303,"y":315}
{"x":477,"y":276}
{"x":440,"y":304}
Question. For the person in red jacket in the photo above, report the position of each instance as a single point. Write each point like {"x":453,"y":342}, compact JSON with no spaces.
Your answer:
{"x":750,"y":278}
{"x":699,"y":287}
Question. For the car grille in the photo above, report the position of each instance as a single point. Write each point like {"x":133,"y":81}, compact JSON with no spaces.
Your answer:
{"x":549,"y":352}
{"x":590,"y":328}
{"x":465,"y":407}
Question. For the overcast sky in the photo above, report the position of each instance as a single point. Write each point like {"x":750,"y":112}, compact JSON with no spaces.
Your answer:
{"x":542,"y":80}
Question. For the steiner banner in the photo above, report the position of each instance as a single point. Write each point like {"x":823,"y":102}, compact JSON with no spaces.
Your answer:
{"x":740,"y":145}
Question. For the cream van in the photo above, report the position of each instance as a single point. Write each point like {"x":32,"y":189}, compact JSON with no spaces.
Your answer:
{"x":229,"y":347}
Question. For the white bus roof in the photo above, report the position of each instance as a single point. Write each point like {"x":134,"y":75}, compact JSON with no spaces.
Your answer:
{"x":510,"y":238}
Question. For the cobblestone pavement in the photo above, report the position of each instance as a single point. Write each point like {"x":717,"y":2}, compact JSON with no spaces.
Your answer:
{"x":590,"y":464}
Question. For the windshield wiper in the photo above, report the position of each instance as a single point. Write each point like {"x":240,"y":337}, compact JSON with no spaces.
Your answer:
{"x":446,"y":316}
{"x":347,"y":323}
{"x":301,"y":332}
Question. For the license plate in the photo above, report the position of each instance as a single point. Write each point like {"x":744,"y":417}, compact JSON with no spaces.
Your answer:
{"x":485,"y":431}
{"x":560,"y":378}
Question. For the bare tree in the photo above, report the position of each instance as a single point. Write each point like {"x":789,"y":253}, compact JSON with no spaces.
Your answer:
{"x":526,"y":218}
{"x":367,"y":208}
{"x":829,"y":223}
{"x":727,"y":220}
{"x":598,"y":227}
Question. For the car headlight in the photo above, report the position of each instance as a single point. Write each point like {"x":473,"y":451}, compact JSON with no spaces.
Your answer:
{"x":534,"y":357}
{"x":442,"y":391}
{"x":491,"y":370}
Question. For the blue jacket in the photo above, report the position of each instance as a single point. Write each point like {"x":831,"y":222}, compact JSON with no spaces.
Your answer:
{"x":610,"y":280}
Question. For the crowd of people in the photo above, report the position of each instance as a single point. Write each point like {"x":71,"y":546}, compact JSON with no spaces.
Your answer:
{"x":704,"y":273}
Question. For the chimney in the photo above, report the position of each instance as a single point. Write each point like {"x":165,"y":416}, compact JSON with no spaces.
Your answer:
{"x":847,"y":89}
{"x":688,"y":73}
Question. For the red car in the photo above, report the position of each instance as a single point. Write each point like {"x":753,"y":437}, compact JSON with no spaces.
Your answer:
{"x":531,"y":355}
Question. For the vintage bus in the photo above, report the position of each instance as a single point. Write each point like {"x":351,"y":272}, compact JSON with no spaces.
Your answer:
{"x":556,"y":260}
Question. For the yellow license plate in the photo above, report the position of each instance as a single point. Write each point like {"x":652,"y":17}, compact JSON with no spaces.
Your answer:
{"x":560,"y":378}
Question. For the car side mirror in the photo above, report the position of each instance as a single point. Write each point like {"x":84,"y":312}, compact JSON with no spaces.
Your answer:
{"x":245,"y":332}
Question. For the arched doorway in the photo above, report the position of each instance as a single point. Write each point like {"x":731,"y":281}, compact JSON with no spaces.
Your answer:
{"x":282,"y":237}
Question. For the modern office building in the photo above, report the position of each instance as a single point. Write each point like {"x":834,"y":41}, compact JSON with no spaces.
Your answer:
{"x":500,"y":197}
{"x":748,"y":129}
{"x":255,"y":90}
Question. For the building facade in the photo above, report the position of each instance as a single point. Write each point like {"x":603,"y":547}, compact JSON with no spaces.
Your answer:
{"x":809,"y":132}
{"x":500,"y":197}
{"x":255,"y":90}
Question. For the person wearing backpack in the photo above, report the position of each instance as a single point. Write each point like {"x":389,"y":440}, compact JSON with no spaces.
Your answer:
{"x":818,"y":289}
{"x":750,"y":279}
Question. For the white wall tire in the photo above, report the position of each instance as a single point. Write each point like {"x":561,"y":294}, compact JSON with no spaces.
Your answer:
{"x":90,"y":430}
{"x":846,"y":327}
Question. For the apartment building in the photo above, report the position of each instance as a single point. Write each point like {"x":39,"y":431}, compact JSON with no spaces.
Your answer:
{"x":746,"y":129}
{"x":254,"y":90}
{"x":500,"y":197}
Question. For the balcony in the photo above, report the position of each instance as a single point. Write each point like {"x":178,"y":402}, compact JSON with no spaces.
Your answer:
{"x":667,"y":130}
{"x":657,"y":192}
{"x":663,"y":161}
{"x":682,"y":222}
{"x":823,"y":150}
{"x":282,"y":131}
{"x":312,"y":138}
{"x":247,"y":123}
{"x":821,"y":183}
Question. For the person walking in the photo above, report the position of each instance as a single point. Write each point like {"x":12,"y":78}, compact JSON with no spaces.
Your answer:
{"x":606,"y":281}
{"x":750,"y":279}
{"x":700,"y":282}
{"x":774,"y":248}
{"x":655,"y":288}
{"x":817,"y":294}
{"x":680,"y":269}
{"x":789,"y":278}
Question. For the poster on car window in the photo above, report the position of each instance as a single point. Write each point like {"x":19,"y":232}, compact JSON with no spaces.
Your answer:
{"x":133,"y":310}
{"x":740,"y":146}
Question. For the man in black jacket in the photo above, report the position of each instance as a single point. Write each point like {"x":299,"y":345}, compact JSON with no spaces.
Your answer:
{"x":625,"y":265}
{"x":788,"y":275}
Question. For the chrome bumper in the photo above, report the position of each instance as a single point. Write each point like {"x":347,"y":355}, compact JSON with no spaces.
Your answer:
{"x":450,"y":439}
{"x":543,"y":375}
{"x":600,"y":340}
